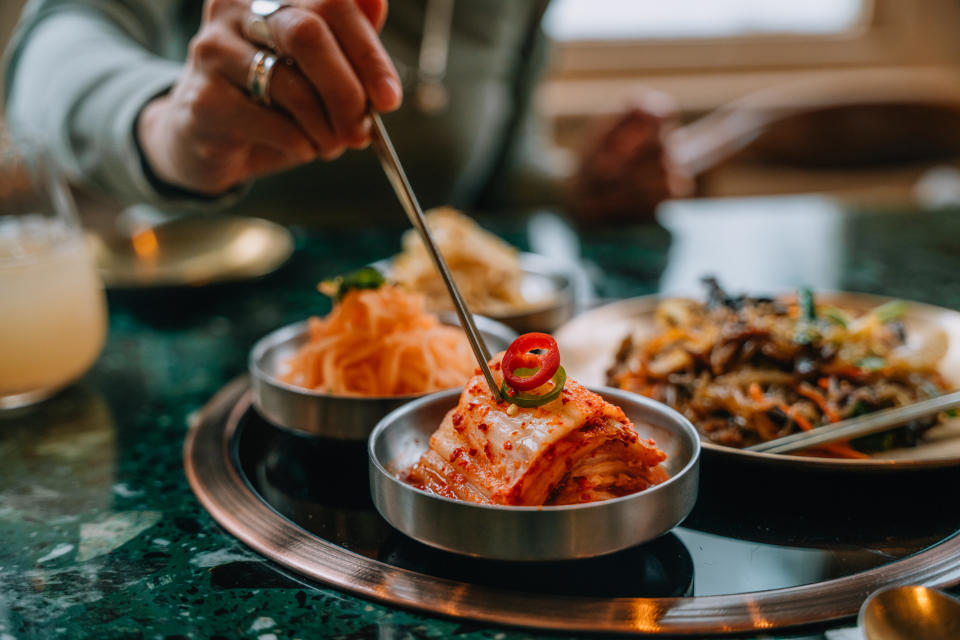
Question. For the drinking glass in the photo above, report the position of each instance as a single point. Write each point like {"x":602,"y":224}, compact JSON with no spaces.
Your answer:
{"x":52,"y":306}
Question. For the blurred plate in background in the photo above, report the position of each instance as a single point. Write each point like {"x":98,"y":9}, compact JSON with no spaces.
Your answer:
{"x":191,"y":251}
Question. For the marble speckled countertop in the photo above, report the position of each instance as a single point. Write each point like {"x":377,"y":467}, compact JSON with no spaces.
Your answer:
{"x":101,"y":536}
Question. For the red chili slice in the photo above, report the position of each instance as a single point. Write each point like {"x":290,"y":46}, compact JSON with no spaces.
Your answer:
{"x":518,"y":356}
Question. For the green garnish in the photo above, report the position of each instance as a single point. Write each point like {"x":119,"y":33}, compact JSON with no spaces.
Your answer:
{"x":365,"y":278}
{"x":808,"y":310}
{"x":835,"y":316}
{"x":890,"y":311}
{"x":806,"y":331}
{"x":858,"y":409}
{"x":528,"y":400}
{"x":872,"y":363}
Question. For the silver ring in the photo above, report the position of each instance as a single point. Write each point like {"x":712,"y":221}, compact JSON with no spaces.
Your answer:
{"x":257,"y":29}
{"x":258,"y":80}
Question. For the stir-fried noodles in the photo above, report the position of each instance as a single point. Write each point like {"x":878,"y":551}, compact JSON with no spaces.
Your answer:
{"x":747,"y":370}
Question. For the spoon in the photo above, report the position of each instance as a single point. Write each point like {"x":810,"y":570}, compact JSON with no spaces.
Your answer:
{"x":910,"y":613}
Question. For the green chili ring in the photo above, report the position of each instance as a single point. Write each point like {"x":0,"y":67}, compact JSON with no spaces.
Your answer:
{"x":529,"y":400}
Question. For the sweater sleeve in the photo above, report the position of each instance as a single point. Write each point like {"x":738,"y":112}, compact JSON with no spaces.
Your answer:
{"x":78,"y":74}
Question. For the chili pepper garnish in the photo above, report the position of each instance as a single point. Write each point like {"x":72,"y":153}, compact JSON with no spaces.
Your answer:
{"x":529,"y":400}
{"x":530,"y":361}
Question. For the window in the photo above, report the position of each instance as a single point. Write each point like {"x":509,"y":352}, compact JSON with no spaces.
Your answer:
{"x":706,"y":53}
{"x":571,"y":20}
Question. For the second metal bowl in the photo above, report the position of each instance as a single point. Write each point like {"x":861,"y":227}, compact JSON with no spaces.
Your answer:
{"x":548,"y":286}
{"x":531,"y":533}
{"x":323,"y":414}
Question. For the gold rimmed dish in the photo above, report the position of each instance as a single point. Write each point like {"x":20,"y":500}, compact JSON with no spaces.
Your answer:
{"x":191,"y":251}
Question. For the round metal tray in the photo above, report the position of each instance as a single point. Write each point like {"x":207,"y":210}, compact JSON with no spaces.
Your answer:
{"x":623,"y":596}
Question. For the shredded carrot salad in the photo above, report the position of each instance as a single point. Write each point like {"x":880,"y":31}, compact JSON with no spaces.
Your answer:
{"x":381,"y":342}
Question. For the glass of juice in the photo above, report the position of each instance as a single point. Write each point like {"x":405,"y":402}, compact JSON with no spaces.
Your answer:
{"x":52,"y":306}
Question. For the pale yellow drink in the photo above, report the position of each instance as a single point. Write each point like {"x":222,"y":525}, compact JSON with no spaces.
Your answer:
{"x":52,"y":308}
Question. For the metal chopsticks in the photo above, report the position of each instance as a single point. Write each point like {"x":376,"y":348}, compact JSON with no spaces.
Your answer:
{"x":398,"y":179}
{"x":859,"y":426}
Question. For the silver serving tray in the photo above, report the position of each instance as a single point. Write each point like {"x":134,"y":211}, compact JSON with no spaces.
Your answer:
{"x":316,"y":413}
{"x":531,"y":533}
{"x":589,"y":343}
{"x":227,"y":496}
{"x":548,"y":286}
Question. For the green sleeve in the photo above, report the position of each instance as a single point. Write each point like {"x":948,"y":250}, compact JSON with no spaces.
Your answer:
{"x":78,"y":74}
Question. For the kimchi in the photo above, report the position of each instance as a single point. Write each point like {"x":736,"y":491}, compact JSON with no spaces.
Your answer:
{"x":575,"y":448}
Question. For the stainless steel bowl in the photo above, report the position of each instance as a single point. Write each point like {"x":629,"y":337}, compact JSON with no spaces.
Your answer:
{"x":549,"y":287}
{"x":531,"y":533}
{"x":322,"y":414}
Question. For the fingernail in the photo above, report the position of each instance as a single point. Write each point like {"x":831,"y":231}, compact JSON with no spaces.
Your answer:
{"x":332,"y":154}
{"x":391,"y":93}
{"x":306,"y":153}
{"x":363,"y":131}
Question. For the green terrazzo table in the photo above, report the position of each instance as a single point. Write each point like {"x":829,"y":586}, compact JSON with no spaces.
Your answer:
{"x":101,"y":535}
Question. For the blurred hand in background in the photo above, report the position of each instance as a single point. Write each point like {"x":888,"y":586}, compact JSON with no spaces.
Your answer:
{"x":626,"y":168}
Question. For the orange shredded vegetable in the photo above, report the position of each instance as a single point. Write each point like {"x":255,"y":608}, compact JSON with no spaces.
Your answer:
{"x":381,"y":342}
{"x":817,"y":397}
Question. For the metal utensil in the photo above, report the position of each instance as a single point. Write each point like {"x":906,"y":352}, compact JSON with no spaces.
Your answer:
{"x":861,"y":426}
{"x":398,"y":179}
{"x":328,"y":415}
{"x":532,"y":533}
{"x":910,"y":613}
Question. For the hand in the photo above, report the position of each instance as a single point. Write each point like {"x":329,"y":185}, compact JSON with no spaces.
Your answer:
{"x":208,"y":135}
{"x":626,"y":169}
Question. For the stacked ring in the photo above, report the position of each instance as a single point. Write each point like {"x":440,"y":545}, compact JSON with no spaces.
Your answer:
{"x":258,"y":79}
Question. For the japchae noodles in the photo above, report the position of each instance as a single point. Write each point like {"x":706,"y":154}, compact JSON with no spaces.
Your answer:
{"x":747,"y":370}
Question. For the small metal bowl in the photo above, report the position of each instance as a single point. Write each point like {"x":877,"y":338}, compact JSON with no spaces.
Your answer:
{"x":549,"y":287}
{"x":531,"y":533}
{"x":323,"y":414}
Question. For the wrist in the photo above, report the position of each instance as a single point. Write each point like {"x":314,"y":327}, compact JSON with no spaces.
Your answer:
{"x":149,"y":144}
{"x":152,"y":136}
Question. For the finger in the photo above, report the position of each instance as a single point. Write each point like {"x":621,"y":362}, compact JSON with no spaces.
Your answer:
{"x":230,"y":56}
{"x":221,"y":110}
{"x":305,"y":37}
{"x":359,"y":40}
{"x":375,"y":11}
{"x":265,"y":160}
{"x":290,"y":91}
